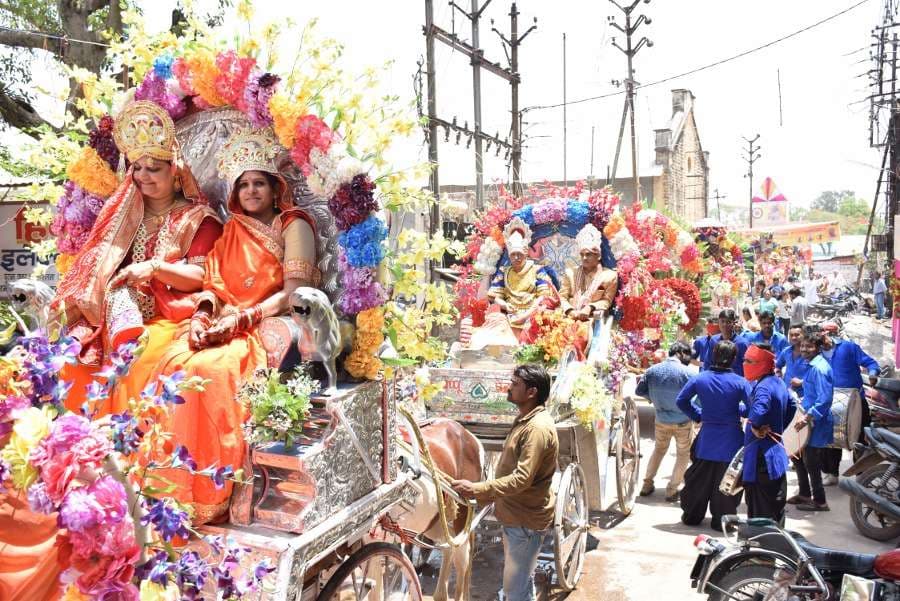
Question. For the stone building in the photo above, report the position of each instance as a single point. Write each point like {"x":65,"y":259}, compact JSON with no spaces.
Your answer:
{"x":681,"y":166}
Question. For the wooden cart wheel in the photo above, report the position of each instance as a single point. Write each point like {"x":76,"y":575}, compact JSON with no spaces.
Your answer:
{"x":570,"y":527}
{"x":377,"y":572}
{"x":628,"y":456}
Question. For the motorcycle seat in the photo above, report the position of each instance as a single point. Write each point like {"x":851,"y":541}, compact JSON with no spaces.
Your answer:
{"x":846,"y":562}
{"x":886,"y":436}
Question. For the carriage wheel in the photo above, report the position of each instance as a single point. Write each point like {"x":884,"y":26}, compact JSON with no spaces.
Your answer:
{"x":628,"y":456}
{"x":570,"y":526}
{"x":377,"y":572}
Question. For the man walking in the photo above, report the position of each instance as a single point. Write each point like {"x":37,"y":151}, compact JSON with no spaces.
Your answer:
{"x":818,"y":390}
{"x":879,"y":290}
{"x":660,"y":385}
{"x":791,"y":362}
{"x":799,"y":307}
{"x":523,"y":500}
{"x":765,"y":460}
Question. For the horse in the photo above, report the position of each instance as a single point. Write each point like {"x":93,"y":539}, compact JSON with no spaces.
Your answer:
{"x":459,"y":455}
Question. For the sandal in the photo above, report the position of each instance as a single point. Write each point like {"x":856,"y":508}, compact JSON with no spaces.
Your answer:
{"x":798,"y":499}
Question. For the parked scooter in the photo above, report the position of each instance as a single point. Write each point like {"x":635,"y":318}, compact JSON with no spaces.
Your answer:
{"x":758,"y":560}
{"x":875,"y":488}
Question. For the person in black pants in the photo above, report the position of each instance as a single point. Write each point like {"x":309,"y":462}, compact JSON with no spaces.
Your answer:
{"x":722,"y":395}
{"x":818,"y":390}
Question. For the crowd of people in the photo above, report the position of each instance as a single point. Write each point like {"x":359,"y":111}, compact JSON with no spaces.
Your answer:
{"x":743,"y":386}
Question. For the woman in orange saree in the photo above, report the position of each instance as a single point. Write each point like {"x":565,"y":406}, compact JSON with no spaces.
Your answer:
{"x":143,"y":259}
{"x":266,"y":251}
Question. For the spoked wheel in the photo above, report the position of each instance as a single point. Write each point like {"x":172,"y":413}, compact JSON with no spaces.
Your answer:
{"x":377,"y":572}
{"x":869,"y":522}
{"x":628,"y":456}
{"x":570,"y":526}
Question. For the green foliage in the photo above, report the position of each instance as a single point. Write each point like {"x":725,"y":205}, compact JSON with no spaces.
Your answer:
{"x":532,"y":353}
{"x":851,"y":212}
{"x":277,"y":409}
{"x":831,"y":200}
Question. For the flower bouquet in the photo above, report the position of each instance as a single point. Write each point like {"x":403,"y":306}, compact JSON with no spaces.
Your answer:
{"x":277,"y":409}
{"x":590,"y":400}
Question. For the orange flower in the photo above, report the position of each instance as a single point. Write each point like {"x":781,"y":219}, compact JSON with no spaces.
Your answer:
{"x":497,"y":235}
{"x":612,"y":228}
{"x":204,"y":72}
{"x":92,"y":173}
{"x":64,"y":263}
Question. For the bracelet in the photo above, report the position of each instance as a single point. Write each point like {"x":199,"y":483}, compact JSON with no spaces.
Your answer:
{"x":155,"y":266}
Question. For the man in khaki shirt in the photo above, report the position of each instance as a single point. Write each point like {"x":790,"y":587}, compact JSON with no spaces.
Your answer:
{"x":523,"y":500}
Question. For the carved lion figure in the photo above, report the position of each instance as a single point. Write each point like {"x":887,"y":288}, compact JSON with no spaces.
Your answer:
{"x":31,"y":300}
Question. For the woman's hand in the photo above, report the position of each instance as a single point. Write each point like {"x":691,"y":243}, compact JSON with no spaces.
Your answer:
{"x":197,"y":335}
{"x":222,"y":331}
{"x":135,"y":274}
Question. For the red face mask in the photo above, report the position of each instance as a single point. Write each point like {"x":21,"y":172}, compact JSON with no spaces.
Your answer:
{"x":758,"y":363}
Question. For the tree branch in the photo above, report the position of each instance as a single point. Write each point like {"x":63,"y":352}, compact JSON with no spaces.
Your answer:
{"x":30,"y":39}
{"x":19,"y":114}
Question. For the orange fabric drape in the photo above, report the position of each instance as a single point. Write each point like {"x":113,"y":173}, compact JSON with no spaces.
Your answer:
{"x":244,"y":268}
{"x":28,"y":568}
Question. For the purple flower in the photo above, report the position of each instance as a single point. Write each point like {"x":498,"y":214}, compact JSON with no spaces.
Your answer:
{"x":260,"y":89}
{"x":77,"y":209}
{"x":182,"y":456}
{"x":80,"y":510}
{"x":126,"y":435}
{"x":220,"y":475}
{"x":66,"y":432}
{"x":353,"y":202}
{"x":156,"y":569}
{"x":550,"y":211}
{"x":38,"y":499}
{"x":191,"y":572}
{"x":4,"y":473}
{"x":168,"y":520}
{"x":154,"y":89}
{"x":360,"y":288}
{"x":170,"y":393}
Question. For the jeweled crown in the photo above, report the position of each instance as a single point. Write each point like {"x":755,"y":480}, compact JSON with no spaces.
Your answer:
{"x":144,"y":128}
{"x":248,"y":151}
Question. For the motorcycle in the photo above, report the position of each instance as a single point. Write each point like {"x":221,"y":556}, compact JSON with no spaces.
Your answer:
{"x":884,"y":401}
{"x":874,"y":488}
{"x":759,"y":560}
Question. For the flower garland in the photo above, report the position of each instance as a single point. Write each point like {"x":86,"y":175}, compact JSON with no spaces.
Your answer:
{"x":689,"y":294}
{"x":116,"y":538}
{"x":590,"y":398}
{"x":363,"y":361}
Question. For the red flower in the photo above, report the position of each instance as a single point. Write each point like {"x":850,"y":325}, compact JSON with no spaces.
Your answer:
{"x":689,"y":294}
{"x":103,"y":573}
{"x":310,"y":132}
{"x":634,"y":313}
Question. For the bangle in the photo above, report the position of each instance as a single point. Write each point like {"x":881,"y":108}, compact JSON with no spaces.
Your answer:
{"x":155,"y":266}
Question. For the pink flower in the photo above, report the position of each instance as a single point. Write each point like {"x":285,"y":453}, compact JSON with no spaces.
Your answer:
{"x":310,"y":132}
{"x":549,"y":211}
{"x":232,"y":78}
{"x":58,"y":474}
{"x":80,"y":511}
{"x":107,"y":574}
{"x":92,"y":450}
{"x":110,"y":496}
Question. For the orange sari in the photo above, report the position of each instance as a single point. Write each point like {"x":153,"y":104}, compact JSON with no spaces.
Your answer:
{"x":245,"y":267}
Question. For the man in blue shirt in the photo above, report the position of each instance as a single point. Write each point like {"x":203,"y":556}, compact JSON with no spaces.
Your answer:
{"x":727,"y":325}
{"x":767,"y":333}
{"x":776,"y":288}
{"x":818,"y":390}
{"x":721,"y":394}
{"x":660,"y":385}
{"x":765,"y":460}
{"x":702,"y":346}
{"x":791,"y":362}
{"x":846,"y":359}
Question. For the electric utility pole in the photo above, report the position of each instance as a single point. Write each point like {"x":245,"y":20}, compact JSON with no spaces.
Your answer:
{"x":511,"y":47}
{"x":752,"y":155}
{"x":630,"y":50}
{"x":475,"y":134}
{"x":717,"y":197}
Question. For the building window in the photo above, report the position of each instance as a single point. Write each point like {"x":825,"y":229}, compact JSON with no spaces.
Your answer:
{"x":690,"y":165}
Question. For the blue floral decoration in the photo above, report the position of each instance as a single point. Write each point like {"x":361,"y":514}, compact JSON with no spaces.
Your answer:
{"x":362,"y":243}
{"x":578,"y":212}
{"x":162,"y":66}
{"x":525,"y":214}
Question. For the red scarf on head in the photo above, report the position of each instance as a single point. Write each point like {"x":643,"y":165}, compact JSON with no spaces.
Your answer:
{"x":764,"y":363}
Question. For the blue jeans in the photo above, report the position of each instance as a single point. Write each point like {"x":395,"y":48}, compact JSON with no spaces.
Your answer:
{"x":879,"y":304}
{"x":521,"y":547}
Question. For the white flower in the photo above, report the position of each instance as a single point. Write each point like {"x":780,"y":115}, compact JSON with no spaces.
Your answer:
{"x":684,"y":240}
{"x":488,"y":257}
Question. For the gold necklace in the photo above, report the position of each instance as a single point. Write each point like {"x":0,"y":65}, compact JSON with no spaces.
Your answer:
{"x":158,"y":218}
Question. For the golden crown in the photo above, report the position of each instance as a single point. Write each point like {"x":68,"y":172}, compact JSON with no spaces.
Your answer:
{"x":248,"y":151}
{"x":144,"y":128}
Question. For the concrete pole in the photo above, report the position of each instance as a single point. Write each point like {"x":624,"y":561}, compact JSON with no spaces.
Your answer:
{"x":476,"y":89}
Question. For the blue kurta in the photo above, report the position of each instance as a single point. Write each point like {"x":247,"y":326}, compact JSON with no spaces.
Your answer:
{"x":792,"y":367}
{"x":778,"y":341}
{"x":818,"y":391}
{"x":701,"y":349}
{"x":770,"y":405}
{"x":738,"y":365}
{"x":846,"y":359}
{"x":721,"y":395}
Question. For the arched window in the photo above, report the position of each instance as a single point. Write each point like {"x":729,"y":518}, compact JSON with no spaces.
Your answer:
{"x":690,"y":165}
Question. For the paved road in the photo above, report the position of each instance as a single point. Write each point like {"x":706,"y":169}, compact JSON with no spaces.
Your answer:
{"x":649,"y":555}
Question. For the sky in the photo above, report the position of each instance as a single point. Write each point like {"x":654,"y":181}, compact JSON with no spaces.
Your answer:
{"x":821,"y":141}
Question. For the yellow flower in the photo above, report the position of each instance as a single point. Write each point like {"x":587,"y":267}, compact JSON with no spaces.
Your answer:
{"x":30,"y":428}
{"x":64,"y":263}
{"x":93,"y":173}
{"x":150,"y":591}
{"x":73,"y":594}
{"x":285,"y":113}
{"x":245,"y":10}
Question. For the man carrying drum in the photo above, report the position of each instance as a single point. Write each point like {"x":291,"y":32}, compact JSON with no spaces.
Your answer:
{"x":765,"y":460}
{"x":846,"y":359}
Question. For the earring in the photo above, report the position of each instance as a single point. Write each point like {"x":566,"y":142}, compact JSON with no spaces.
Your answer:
{"x":178,"y":183}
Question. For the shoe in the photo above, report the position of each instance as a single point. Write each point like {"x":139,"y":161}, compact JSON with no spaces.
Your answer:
{"x":813,"y":506}
{"x":647,"y":489}
{"x":829,"y":480}
{"x":798,"y":499}
{"x":673,"y":498}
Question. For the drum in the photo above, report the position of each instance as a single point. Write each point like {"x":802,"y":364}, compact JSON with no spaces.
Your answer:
{"x":846,"y":410}
{"x":732,"y":480}
{"x":795,"y":441}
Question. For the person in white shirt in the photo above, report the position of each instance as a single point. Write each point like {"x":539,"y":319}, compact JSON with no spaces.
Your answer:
{"x":811,"y":289}
{"x":879,"y":290}
{"x":783,"y":312}
{"x":799,"y":307}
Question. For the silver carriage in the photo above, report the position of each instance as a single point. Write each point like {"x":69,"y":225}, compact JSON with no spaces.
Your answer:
{"x":310,"y":509}
{"x":598,"y":467}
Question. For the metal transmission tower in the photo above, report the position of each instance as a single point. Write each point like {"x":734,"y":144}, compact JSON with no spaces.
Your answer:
{"x":511,"y":47}
{"x":630,"y":50}
{"x":751,"y":157}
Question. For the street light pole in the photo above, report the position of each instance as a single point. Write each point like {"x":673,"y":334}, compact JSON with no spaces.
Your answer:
{"x":751,"y":157}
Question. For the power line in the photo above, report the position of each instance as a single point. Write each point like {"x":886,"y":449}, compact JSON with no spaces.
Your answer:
{"x":53,"y":36}
{"x":705,"y":67}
